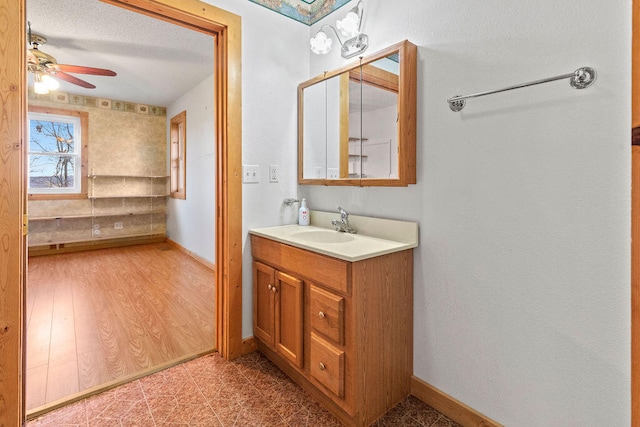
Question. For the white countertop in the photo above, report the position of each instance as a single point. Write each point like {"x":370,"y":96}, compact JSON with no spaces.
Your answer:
{"x":375,"y":237}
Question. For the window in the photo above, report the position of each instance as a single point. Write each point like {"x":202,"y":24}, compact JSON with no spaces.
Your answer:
{"x":57,"y":153}
{"x":178,"y":135}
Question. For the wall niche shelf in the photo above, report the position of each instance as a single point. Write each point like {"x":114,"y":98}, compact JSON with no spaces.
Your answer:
{"x":105,"y":186}
{"x":120,"y":209}
{"x":129,"y":196}
{"x":89,"y":216}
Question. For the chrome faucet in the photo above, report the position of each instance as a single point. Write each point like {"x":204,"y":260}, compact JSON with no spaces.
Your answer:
{"x":342,"y":225}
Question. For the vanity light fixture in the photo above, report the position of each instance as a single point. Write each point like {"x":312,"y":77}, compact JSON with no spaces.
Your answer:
{"x":350,"y":26}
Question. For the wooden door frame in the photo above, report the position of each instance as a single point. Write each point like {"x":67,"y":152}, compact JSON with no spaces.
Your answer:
{"x":13,"y":90}
{"x":193,"y":14}
{"x":635,"y":218}
{"x":226,"y":27}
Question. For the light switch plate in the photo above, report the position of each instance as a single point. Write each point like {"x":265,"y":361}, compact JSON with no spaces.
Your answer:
{"x":250,"y":174}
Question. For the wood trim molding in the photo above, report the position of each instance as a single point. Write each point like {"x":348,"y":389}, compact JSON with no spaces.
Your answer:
{"x":635,"y":284}
{"x":63,"y":248}
{"x":249,"y":345}
{"x":13,"y":90}
{"x":41,"y":410}
{"x":635,"y":216}
{"x":227,"y":32}
{"x":178,"y":156}
{"x":449,"y":406}
{"x":192,"y":254}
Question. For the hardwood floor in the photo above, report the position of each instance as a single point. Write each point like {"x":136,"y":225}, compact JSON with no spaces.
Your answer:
{"x":97,"y":316}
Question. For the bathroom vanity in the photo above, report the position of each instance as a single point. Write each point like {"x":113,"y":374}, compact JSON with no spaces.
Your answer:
{"x":335,"y":311}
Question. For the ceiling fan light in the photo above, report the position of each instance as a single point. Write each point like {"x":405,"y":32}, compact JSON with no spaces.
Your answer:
{"x":321,"y":44}
{"x":349,"y":25}
{"x":50,"y":82}
{"x":39,"y":86}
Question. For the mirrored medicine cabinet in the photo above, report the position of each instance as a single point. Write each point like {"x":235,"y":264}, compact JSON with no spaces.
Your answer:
{"x":357,"y":124}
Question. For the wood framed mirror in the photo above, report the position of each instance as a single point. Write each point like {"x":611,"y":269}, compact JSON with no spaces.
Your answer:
{"x":357,"y":124}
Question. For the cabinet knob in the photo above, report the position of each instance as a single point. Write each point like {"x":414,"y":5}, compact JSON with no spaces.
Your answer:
{"x":321,"y":315}
{"x":274,"y":289}
{"x":322,"y":367}
{"x":269,"y":287}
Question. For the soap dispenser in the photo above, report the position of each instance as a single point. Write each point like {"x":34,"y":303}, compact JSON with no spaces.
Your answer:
{"x":303,"y":213}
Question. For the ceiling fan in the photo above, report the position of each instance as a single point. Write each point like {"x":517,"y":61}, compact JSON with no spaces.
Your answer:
{"x":44,"y":66}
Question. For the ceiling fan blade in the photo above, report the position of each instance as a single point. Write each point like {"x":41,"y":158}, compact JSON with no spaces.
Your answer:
{"x":85,"y":70}
{"x":76,"y":81}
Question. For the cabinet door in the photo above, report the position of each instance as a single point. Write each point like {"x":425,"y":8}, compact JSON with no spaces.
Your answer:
{"x":263,"y":302}
{"x":288,"y":328}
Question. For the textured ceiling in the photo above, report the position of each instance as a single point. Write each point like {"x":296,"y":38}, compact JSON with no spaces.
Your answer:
{"x":156,"y":62}
{"x":305,"y":11}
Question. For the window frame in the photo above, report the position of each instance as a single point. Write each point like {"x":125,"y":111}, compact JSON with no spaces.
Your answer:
{"x":178,"y":157}
{"x":83,"y":156}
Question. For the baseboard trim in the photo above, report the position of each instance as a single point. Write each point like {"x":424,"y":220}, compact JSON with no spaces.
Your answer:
{"x":249,"y":345}
{"x":116,"y":242}
{"x":449,"y":406}
{"x":193,"y":255}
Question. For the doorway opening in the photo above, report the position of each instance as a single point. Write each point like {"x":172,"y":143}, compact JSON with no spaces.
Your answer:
{"x":191,"y":14}
{"x":98,"y":318}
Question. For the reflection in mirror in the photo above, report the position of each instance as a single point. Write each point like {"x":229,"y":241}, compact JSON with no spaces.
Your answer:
{"x":315,"y":131}
{"x":373,"y":115}
{"x":352,"y":154}
{"x":321,"y":123}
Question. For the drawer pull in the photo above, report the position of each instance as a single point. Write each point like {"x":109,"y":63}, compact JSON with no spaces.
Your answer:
{"x":321,"y":315}
{"x":322,"y":366}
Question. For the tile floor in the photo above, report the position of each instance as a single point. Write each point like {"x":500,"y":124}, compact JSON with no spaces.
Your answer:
{"x":210,"y":391}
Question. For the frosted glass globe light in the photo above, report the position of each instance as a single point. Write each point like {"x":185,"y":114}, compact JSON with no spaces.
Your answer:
{"x":349,"y":25}
{"x":321,"y":44}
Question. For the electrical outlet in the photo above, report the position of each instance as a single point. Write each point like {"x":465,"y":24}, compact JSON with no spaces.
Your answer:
{"x":318,"y":172}
{"x":118,"y":225}
{"x":250,"y":174}
{"x":333,"y":173}
{"x":96,"y":231}
{"x":273,"y":173}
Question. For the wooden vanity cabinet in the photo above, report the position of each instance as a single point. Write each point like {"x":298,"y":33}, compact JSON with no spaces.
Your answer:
{"x":278,"y":311}
{"x":342,"y":330}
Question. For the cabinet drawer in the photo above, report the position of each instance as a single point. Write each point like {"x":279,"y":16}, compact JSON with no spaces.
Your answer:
{"x":331,"y":272}
{"x":327,"y":314}
{"x":327,"y":365}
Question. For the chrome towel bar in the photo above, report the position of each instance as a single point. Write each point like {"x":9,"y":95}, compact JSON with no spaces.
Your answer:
{"x":582,"y":78}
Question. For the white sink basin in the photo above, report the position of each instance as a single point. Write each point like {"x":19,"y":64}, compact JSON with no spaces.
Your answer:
{"x":376,"y":236}
{"x":322,"y":236}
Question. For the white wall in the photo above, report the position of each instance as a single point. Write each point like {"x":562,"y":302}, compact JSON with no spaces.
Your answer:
{"x":522,"y":277}
{"x":191,"y":222}
{"x":522,"y":274}
{"x":275,"y":58}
